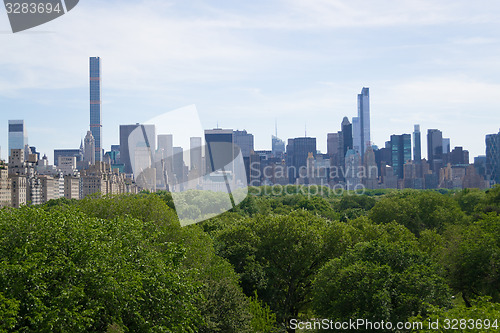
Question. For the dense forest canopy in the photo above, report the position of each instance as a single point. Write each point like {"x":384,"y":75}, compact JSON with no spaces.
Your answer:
{"x":124,"y":263}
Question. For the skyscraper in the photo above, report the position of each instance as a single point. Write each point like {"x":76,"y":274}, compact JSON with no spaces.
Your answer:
{"x":417,"y":145}
{"x":435,"y":149}
{"x":493,"y":157}
{"x":89,"y":148}
{"x":400,"y":152}
{"x":145,"y":138}
{"x":346,"y":135}
{"x":95,"y":105}
{"x":18,"y":137}
{"x":298,"y":150}
{"x":244,"y":141}
{"x":363,"y":130}
{"x":195,"y":155}
{"x":219,"y":150}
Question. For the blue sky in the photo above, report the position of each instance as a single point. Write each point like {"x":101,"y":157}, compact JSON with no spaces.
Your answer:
{"x":246,"y":63}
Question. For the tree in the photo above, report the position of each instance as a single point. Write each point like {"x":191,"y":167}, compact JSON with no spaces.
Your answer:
{"x":278,"y":256}
{"x":418,"y":210}
{"x":378,"y":281}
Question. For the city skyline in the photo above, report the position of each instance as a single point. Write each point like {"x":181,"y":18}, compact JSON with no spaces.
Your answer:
{"x":245,"y":65}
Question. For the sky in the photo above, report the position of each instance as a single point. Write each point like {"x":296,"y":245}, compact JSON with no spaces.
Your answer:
{"x":249,"y":64}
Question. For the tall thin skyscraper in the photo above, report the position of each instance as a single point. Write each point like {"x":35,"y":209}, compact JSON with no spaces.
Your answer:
{"x":417,"y":145}
{"x":96,"y":105}
{"x":18,"y":137}
{"x":364,"y":119}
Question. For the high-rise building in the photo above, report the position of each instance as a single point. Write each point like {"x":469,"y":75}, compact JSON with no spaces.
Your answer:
{"x":459,"y":156}
{"x":417,"y":145}
{"x":143,"y":141}
{"x":298,"y":150}
{"x":446,"y":146}
{"x":219,"y":149}
{"x":361,"y":123}
{"x":400,"y":153}
{"x":89,"y":149}
{"x":346,"y":136}
{"x":96,"y":105}
{"x":244,"y":141}
{"x":18,"y":137}
{"x":77,"y":153}
{"x":278,"y":146}
{"x":195,"y":153}
{"x":435,"y":149}
{"x":493,"y":157}
{"x":334,"y":147}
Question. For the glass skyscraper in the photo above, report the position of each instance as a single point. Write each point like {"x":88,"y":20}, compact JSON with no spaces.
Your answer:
{"x":95,"y":105}
{"x":400,"y":152}
{"x":18,"y":137}
{"x":417,"y":145}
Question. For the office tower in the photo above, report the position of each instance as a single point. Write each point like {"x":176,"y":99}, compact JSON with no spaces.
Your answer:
{"x":352,"y":165}
{"x":278,"y":146}
{"x":480,"y":164}
{"x":244,"y":141}
{"x":400,"y":153}
{"x":77,"y":153}
{"x":89,"y":148}
{"x":195,"y":155}
{"x":370,"y":179}
{"x":459,"y":156}
{"x":334,"y":148}
{"x":493,"y":157}
{"x":417,"y":145}
{"x":96,"y":105}
{"x":219,"y":150}
{"x":143,"y":142}
{"x":446,"y":146}
{"x":346,"y":135}
{"x":435,"y":149}
{"x":361,"y":123}
{"x":178,"y":160}
{"x":298,"y":150}
{"x":356,"y":134}
{"x":18,"y":137}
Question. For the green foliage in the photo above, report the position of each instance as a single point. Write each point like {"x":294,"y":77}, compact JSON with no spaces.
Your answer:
{"x":9,"y":309}
{"x":278,"y":256}
{"x":378,"y":281}
{"x":482,"y":317}
{"x":418,"y":210}
{"x":473,"y":256}
{"x":73,"y":273}
{"x":263,"y":319}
